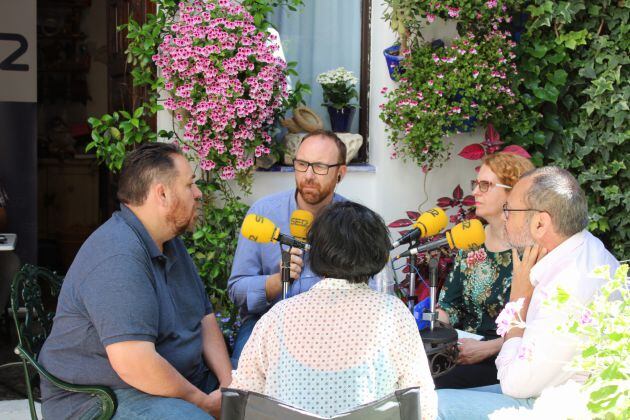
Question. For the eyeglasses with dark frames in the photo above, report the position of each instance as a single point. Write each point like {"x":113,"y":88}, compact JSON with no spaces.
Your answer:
{"x":318,"y":167}
{"x":506,"y":210}
{"x":484,"y":186}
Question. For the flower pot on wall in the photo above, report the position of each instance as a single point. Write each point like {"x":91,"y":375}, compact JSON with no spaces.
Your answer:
{"x":468,"y":124}
{"x":393,"y":59}
{"x":341,"y":119}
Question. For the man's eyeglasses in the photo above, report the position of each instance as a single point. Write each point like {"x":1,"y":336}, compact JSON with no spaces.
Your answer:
{"x":318,"y":167}
{"x":506,"y":210}
{"x":484,"y":186}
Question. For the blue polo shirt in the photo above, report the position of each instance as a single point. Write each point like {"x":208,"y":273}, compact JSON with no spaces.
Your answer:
{"x":120,"y":287}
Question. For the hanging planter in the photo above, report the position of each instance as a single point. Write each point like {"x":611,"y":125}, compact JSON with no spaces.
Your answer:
{"x":450,"y":89}
{"x":393,"y":57}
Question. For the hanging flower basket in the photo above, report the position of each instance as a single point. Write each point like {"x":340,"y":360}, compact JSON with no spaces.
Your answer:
{"x":450,"y":89}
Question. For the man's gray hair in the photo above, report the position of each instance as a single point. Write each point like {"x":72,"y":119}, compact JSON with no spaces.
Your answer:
{"x":557,"y":192}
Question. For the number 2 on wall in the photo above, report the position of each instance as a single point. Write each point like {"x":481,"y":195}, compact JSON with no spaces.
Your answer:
{"x":9,"y":62}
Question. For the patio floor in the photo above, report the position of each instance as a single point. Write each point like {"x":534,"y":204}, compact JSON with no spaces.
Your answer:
{"x":16,"y":410}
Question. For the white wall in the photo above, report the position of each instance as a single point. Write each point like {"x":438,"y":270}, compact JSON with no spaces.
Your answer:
{"x":394,"y":187}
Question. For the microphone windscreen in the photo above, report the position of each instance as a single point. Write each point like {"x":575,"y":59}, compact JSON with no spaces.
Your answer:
{"x":300,"y":224}
{"x":259,"y":229}
{"x":431,"y":222}
{"x":467,"y":235}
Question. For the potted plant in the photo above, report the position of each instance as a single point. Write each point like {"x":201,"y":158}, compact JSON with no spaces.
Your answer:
{"x":398,"y":13}
{"x":599,"y":329}
{"x":478,"y":16}
{"x":450,"y":89}
{"x":339,"y":89}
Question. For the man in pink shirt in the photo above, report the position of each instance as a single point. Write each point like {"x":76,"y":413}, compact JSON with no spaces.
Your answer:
{"x":545,"y":222}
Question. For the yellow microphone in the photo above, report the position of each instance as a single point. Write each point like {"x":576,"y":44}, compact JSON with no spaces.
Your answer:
{"x":262,"y":230}
{"x":300,"y":224}
{"x":428,"y":224}
{"x":469,"y":234}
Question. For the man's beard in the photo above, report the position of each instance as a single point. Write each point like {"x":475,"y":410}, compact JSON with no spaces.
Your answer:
{"x":312,"y":197}
{"x":179,"y":221}
{"x":521,"y":240}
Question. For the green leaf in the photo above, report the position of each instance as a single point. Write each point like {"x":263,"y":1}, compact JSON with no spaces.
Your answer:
{"x":562,"y":296}
{"x":115,"y":133}
{"x":549,"y":93}
{"x":94,"y":122}
{"x":539,"y":138}
{"x":589,"y":351}
{"x":603,"y":392}
{"x":558,"y":78}
{"x":572,"y":39}
{"x":538,"y":51}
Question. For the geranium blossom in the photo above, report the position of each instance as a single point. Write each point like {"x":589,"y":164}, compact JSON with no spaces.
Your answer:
{"x":467,"y":83}
{"x":224,"y":81}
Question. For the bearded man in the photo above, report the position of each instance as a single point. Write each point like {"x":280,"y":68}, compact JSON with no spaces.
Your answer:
{"x":255,"y":284}
{"x":545,"y":217}
{"x":133,"y":313}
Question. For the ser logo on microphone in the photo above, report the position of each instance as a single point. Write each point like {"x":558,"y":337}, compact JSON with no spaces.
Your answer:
{"x":296,"y":221}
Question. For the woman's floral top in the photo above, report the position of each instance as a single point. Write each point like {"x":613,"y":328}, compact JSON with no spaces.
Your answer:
{"x":477,"y":290}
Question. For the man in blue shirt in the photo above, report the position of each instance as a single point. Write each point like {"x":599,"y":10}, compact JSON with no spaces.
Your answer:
{"x":255,"y":284}
{"x":133,"y":313}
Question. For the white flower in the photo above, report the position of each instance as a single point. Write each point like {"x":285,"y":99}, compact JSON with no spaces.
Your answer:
{"x":337,"y":76}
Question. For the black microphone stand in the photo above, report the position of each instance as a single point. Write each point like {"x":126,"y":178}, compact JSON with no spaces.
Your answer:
{"x":431,"y":316}
{"x":411,"y":261}
{"x":285,"y":271}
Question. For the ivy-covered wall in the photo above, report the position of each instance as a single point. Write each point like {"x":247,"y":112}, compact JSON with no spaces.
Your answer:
{"x":574,"y":59}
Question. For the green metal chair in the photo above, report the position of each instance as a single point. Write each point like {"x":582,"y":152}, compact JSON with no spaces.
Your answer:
{"x":33,"y":323}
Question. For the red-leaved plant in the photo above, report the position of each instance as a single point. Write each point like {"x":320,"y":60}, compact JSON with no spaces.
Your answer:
{"x":491,"y":144}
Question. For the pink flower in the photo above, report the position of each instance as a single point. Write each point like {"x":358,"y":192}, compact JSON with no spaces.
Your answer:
{"x":225,"y":76}
{"x":491,"y":4}
{"x":453,"y":12}
{"x":481,"y":255}
{"x":586,"y":318}
{"x":430,"y":18}
{"x":475,"y":73}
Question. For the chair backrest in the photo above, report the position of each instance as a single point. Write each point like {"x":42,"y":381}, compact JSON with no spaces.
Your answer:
{"x":33,"y":321}
{"x":237,"y":404}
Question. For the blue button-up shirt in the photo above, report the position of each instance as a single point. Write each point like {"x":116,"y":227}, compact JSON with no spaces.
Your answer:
{"x":253,"y":261}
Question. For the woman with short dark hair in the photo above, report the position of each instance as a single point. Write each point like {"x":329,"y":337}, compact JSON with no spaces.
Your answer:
{"x":341,"y":344}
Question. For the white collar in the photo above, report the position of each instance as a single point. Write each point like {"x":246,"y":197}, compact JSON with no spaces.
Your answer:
{"x":330,"y":283}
